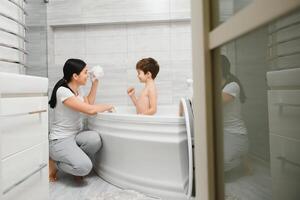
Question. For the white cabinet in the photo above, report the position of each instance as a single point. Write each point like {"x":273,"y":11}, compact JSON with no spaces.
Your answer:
{"x":24,"y":137}
{"x":284,"y":123}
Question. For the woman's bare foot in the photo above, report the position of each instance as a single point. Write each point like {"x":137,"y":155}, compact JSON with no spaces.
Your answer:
{"x":52,"y":171}
{"x":248,"y":170}
{"x":78,"y":178}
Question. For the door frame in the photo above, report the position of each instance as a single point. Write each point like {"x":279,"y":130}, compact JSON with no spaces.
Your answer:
{"x":206,"y":39}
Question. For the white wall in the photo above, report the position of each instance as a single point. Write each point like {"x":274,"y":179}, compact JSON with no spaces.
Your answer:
{"x":116,"y":34}
{"x":62,"y":12}
{"x":37,"y":38}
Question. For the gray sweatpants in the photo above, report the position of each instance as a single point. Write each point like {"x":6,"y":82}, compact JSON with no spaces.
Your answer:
{"x":235,"y":147}
{"x":73,"y":154}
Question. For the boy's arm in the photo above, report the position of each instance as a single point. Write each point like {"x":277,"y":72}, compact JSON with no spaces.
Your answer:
{"x":133,"y":99}
{"x":152,"y":102}
{"x":131,"y":93}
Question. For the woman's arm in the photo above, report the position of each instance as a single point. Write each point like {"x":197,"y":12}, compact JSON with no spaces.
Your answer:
{"x":152,"y":102}
{"x":229,"y":92}
{"x":90,"y":98}
{"x":227,"y":98}
{"x":75,"y":104}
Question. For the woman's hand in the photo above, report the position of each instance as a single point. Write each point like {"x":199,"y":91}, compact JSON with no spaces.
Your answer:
{"x":111,"y":109}
{"x":95,"y":80}
{"x":130,"y":91}
{"x":96,"y":73}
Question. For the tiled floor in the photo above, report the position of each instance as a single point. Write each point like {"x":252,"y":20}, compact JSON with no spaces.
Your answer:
{"x":253,"y":187}
{"x":239,"y":187}
{"x":91,"y":188}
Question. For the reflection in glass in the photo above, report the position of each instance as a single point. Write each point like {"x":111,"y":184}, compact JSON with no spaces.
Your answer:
{"x":228,"y":8}
{"x":235,"y":132}
{"x":261,"y":112}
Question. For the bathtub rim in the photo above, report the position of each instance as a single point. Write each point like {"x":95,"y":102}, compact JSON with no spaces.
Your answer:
{"x":140,"y":119}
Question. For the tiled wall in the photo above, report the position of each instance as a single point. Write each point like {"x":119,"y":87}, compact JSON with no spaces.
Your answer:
{"x":74,"y":12}
{"x":117,"y":40}
{"x":36,"y":36}
{"x":117,"y":48}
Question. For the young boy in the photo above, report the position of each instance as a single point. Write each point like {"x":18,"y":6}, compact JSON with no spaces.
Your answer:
{"x":147,"y":70}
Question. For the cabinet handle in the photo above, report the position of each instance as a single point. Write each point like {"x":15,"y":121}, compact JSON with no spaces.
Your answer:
{"x":38,"y":111}
{"x":284,"y":160}
{"x":282,"y":105}
{"x":21,"y":114}
{"x":287,"y":105}
{"x":42,"y":166}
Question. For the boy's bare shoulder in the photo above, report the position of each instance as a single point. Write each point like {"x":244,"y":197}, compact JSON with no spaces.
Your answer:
{"x":151,"y":86}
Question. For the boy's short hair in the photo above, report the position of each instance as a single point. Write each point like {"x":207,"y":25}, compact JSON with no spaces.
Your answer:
{"x":148,"y":65}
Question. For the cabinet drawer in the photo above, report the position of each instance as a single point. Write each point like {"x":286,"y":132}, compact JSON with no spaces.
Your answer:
{"x":284,"y":112}
{"x":285,"y":167}
{"x":24,"y":131}
{"x":22,"y":105}
{"x":23,"y":127}
{"x":17,"y":167}
{"x":34,"y":188}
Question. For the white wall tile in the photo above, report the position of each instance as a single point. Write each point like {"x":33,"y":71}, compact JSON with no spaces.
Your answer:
{"x":162,"y":57}
{"x":74,"y":32}
{"x":181,"y":41}
{"x":108,"y":59}
{"x":149,"y":28}
{"x":107,"y":30}
{"x":69,"y":46}
{"x":180,"y":9}
{"x":138,"y":43}
{"x":106,"y":11}
{"x":106,"y":44}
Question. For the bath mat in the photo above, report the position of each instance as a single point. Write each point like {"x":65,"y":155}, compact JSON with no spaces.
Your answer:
{"x":121,"y":195}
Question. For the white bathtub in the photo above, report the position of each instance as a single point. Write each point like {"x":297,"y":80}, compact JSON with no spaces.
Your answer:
{"x":144,"y":153}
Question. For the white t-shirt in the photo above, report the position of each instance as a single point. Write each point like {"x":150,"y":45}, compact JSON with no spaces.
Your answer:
{"x":233,"y":122}
{"x":66,"y":121}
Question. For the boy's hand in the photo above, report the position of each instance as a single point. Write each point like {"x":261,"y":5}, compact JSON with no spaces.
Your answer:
{"x":131,"y":91}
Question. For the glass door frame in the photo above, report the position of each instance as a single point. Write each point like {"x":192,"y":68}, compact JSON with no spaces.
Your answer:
{"x":205,"y":40}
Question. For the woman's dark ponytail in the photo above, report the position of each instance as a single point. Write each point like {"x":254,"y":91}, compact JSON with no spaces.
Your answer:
{"x":72,"y":66}
{"x":61,"y":82}
{"x":229,"y":77}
